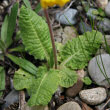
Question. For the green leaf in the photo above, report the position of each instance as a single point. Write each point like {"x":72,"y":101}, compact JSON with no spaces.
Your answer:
{"x":1,"y":56}
{"x":38,"y":8}
{"x":2,"y":79}
{"x":35,"y":34}
{"x":44,"y":87}
{"x":24,"y":64}
{"x":18,"y":36}
{"x":4,"y":29}
{"x":20,"y":48}
{"x":76,"y":53}
{"x":23,"y":80}
{"x":2,"y":46}
{"x":27,"y":3}
{"x":40,"y":89}
{"x":51,"y":60}
{"x":68,"y":77}
{"x":9,"y":26}
{"x":101,"y":12}
{"x":87,"y":80}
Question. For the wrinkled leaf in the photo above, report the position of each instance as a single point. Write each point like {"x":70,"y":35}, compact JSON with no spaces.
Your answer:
{"x":76,"y":53}
{"x":68,"y":77}
{"x":2,"y":79}
{"x":44,"y":87}
{"x":35,"y":34}
{"x":24,"y":64}
{"x":40,"y":89}
{"x":23,"y":80}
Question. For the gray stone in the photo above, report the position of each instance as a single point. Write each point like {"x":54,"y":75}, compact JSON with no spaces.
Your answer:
{"x":68,"y":34}
{"x":96,"y":73}
{"x":70,"y":106}
{"x":68,"y":17}
{"x":83,"y":27}
{"x":90,"y":13}
{"x":107,"y":9}
{"x":11,"y":98}
{"x":104,"y":25}
{"x":93,"y":96}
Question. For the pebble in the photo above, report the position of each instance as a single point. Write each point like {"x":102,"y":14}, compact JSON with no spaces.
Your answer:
{"x":90,"y":13}
{"x":70,"y":106}
{"x":79,"y":8}
{"x":68,"y":17}
{"x":93,"y":96}
{"x":83,"y":27}
{"x":107,"y":9}
{"x":5,"y":3}
{"x":68,"y":34}
{"x":75,"y":89}
{"x":94,"y":71}
{"x":1,"y":9}
{"x":58,"y":34}
{"x":102,"y":3}
{"x":104,"y":25}
{"x":58,"y":39}
{"x":11,"y":98}
{"x":81,"y":73}
{"x":1,"y":101}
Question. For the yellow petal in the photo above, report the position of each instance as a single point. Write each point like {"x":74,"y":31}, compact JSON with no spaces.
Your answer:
{"x":62,"y":2}
{"x":50,"y":3}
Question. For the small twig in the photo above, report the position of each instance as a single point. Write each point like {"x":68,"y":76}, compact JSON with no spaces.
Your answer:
{"x":69,"y":5}
{"x":105,"y":104}
{"x":21,"y":100}
{"x":52,"y":37}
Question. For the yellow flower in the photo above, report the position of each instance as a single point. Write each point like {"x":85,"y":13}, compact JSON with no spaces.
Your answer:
{"x":61,"y":2}
{"x":50,"y":3}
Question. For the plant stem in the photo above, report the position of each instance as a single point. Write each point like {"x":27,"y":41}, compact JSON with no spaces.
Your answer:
{"x":52,"y":37}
